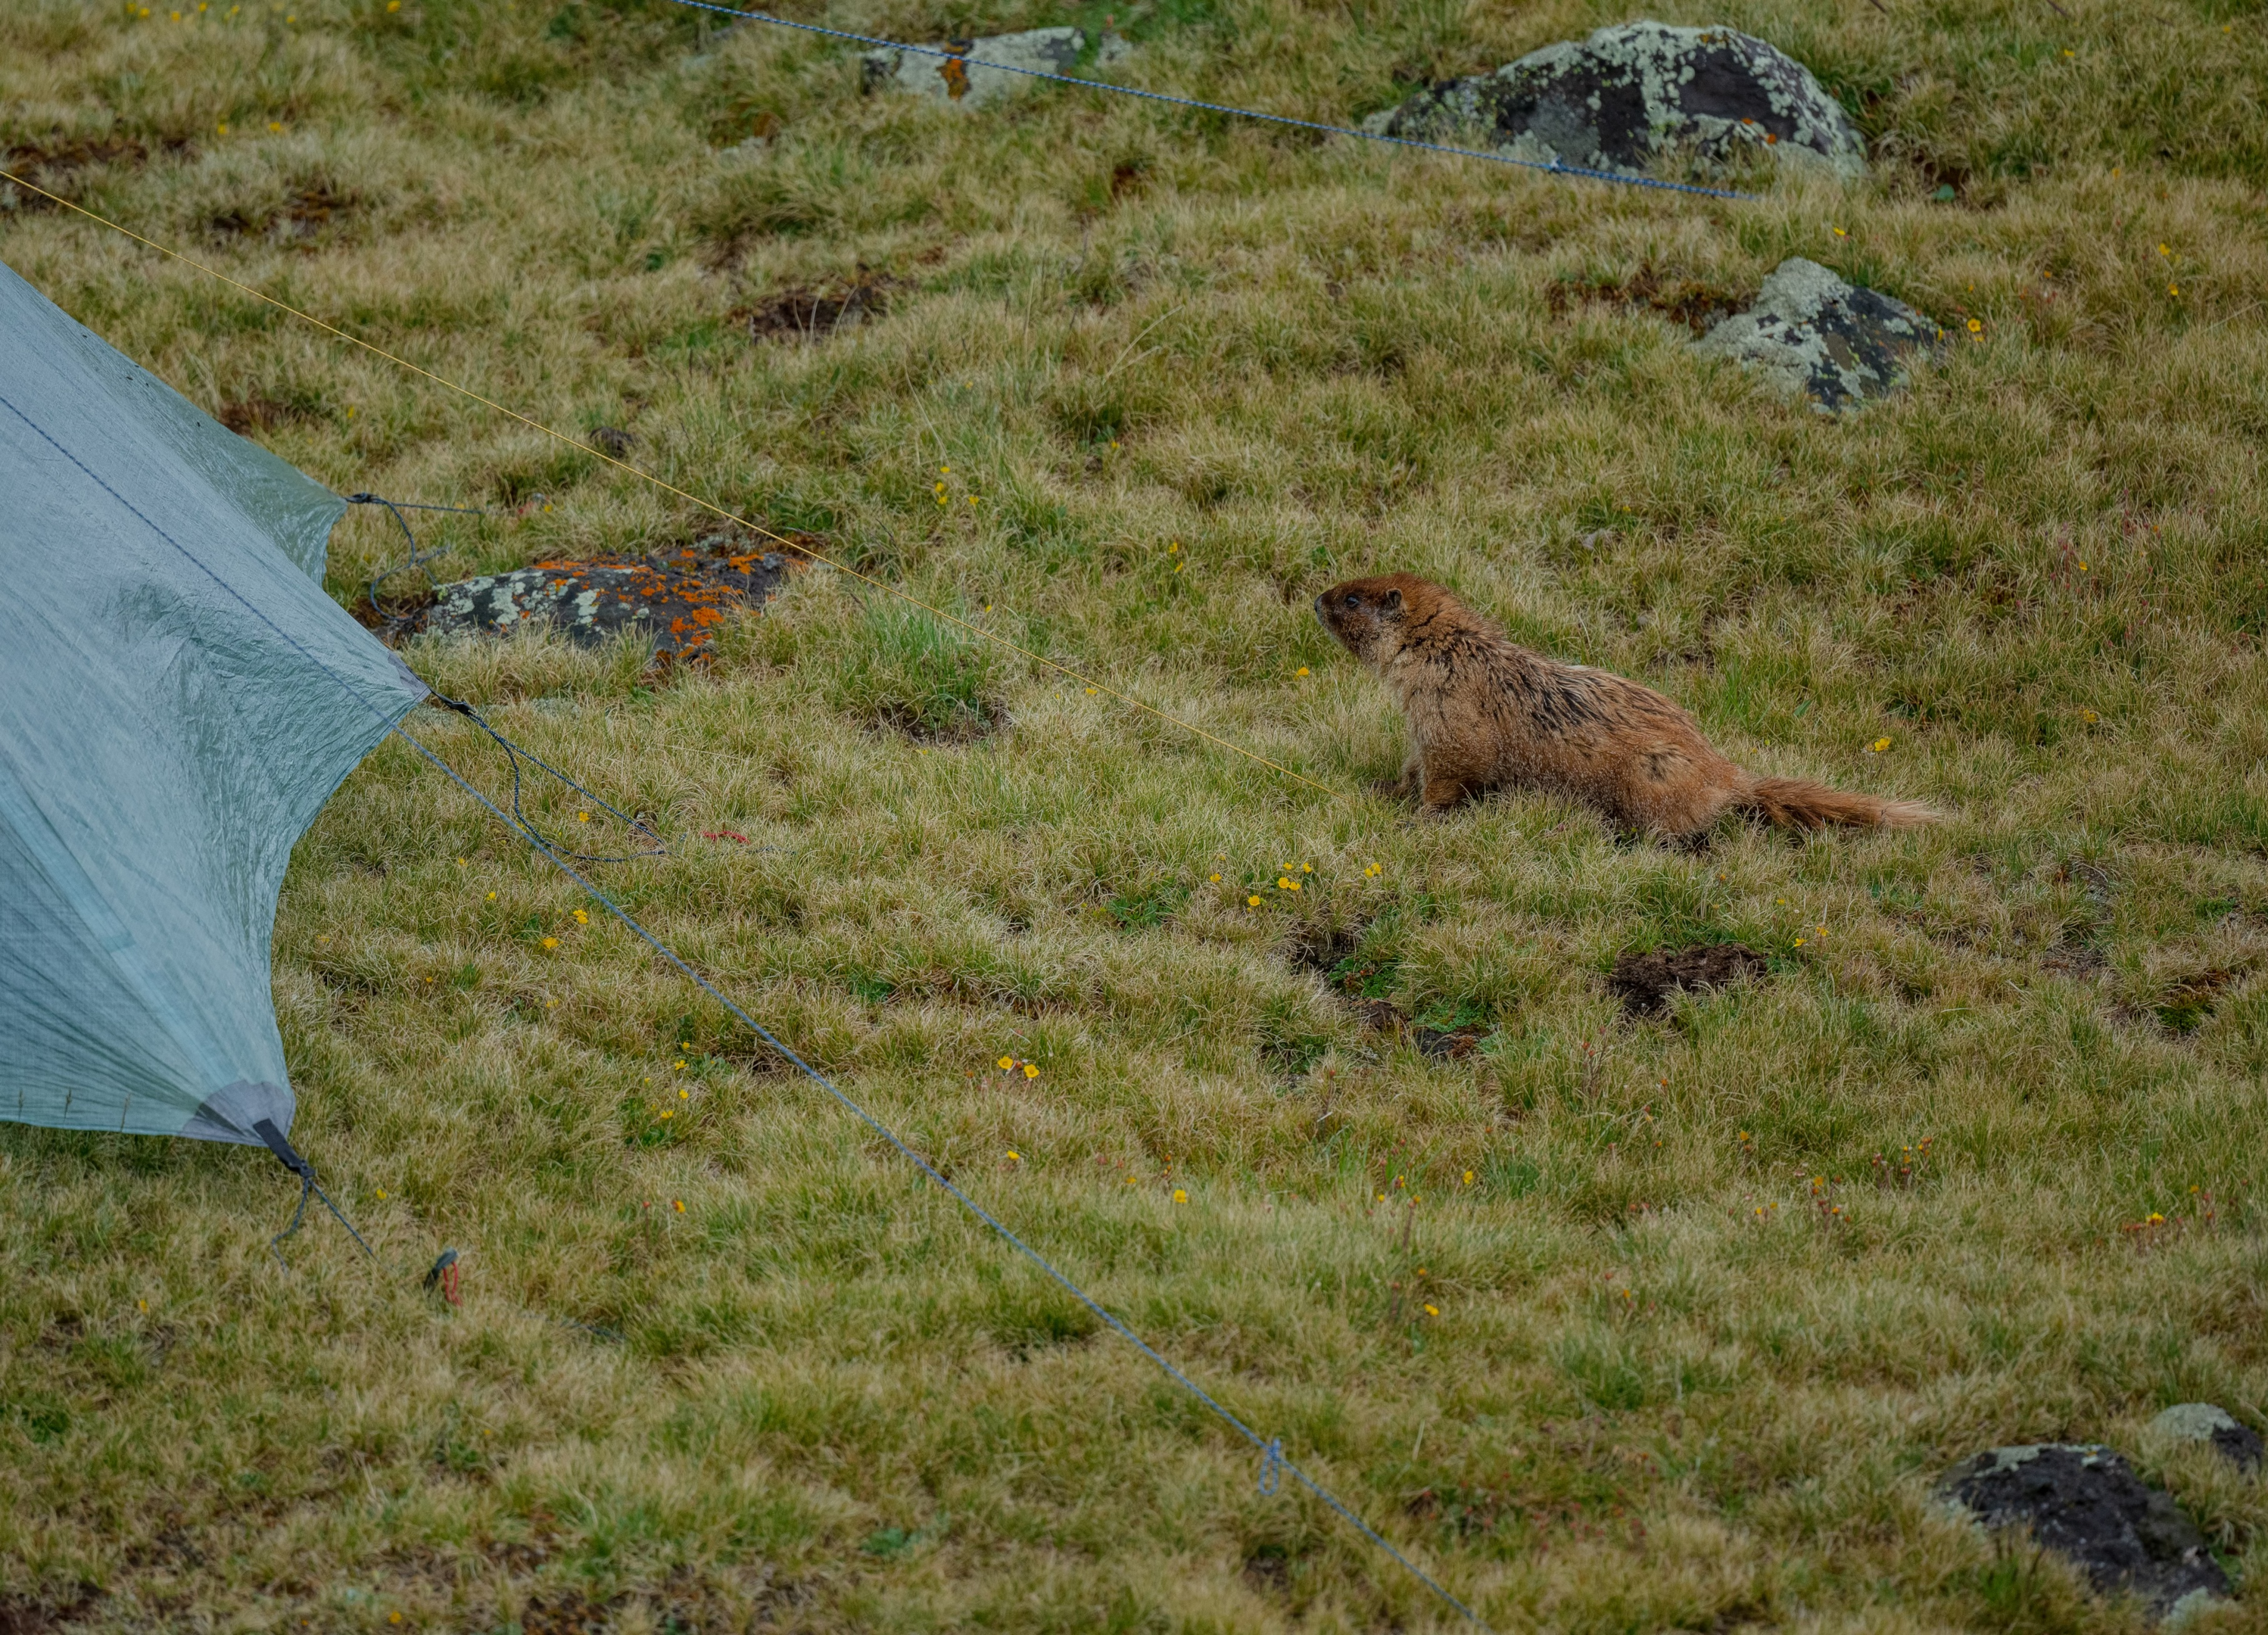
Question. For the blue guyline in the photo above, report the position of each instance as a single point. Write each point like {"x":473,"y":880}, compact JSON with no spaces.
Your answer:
{"x":1271,"y":1449}
{"x":1552,"y":167}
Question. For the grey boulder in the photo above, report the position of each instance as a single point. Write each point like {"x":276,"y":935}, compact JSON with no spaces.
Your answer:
{"x":965,"y":79}
{"x":2203,"y":1422}
{"x":1635,"y":95}
{"x":1811,"y":336}
{"x":2085,"y":1502}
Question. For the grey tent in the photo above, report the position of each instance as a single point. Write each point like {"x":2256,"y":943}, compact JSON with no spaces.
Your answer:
{"x":178,"y":698}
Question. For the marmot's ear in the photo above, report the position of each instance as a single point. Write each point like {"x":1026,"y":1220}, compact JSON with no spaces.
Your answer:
{"x":1390,"y":601}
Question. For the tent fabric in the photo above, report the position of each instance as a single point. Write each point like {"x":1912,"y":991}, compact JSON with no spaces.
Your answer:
{"x":178,"y":698}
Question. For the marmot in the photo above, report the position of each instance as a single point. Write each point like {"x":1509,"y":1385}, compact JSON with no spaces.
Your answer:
{"x":1484,"y":713}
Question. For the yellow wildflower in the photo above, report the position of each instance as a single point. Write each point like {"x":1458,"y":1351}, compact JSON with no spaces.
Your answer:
{"x":1180,"y":1197}
{"x":1252,"y":902}
{"x":551,"y":942}
{"x":1005,"y":1063}
{"x":1031,"y":1069}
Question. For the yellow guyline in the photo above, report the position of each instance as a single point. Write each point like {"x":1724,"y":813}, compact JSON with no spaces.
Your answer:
{"x":671,"y":488}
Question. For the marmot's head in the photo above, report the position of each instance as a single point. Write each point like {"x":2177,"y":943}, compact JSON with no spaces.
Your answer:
{"x":1367,"y":615}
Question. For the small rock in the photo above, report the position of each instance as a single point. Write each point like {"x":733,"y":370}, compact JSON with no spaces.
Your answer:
{"x":1635,"y":94}
{"x":1643,"y":981}
{"x":1811,"y":336}
{"x":970,"y":82}
{"x":2085,"y":1502}
{"x":2203,"y":1422}
{"x":613,"y":440}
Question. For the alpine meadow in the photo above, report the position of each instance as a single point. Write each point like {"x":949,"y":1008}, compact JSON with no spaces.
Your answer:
{"x":1609,"y":1315}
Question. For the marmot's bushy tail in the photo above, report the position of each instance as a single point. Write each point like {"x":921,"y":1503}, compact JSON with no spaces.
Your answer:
{"x":1793,"y":803}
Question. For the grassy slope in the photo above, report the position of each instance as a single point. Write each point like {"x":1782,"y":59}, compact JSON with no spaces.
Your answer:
{"x":1643,"y":1403}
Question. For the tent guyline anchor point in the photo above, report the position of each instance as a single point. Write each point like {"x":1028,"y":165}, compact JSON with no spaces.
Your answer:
{"x":416,"y":558}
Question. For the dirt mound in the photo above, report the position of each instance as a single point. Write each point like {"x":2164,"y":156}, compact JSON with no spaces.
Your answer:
{"x":1645,"y":981}
{"x":681,"y":598}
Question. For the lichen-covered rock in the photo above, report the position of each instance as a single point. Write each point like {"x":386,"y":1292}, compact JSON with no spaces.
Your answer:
{"x":970,"y":83}
{"x":2085,"y":1502}
{"x":679,"y":598}
{"x":1814,"y":336}
{"x":1633,"y":95}
{"x":2203,"y":1422}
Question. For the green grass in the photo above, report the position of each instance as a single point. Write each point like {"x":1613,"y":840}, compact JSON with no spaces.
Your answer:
{"x":1662,"y":1389}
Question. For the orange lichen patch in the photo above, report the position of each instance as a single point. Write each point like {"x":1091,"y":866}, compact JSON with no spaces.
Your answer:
{"x":680,"y":597}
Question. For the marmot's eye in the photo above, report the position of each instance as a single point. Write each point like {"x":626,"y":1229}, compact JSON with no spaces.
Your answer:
{"x":1354,"y":601}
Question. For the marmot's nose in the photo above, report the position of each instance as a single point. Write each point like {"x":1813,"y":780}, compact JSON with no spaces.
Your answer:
{"x":1319,"y":607}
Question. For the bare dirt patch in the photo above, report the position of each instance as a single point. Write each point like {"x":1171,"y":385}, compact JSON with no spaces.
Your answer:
{"x":38,"y":1615}
{"x":309,"y":213}
{"x":1645,"y":981}
{"x":60,"y":164}
{"x":1700,"y":306}
{"x":806,"y":313}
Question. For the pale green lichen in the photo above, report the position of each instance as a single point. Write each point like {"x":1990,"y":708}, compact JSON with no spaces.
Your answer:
{"x":1811,"y":336}
{"x":1633,"y":97}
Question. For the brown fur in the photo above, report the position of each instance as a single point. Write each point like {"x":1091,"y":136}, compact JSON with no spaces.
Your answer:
{"x":1486,"y":714}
